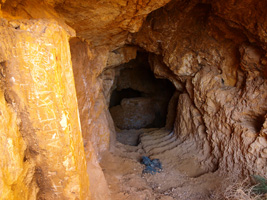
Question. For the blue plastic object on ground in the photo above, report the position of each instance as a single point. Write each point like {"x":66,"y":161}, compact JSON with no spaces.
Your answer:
{"x":152,"y":166}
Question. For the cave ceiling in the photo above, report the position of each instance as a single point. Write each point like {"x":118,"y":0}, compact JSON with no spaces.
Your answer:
{"x":105,"y":22}
{"x":109,"y":22}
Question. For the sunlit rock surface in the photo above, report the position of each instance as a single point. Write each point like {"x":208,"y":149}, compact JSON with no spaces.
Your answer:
{"x":100,"y":22}
{"x":214,"y":52}
{"x":42,"y":149}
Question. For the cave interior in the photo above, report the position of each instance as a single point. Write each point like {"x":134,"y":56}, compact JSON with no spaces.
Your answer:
{"x":88,"y":89}
{"x":139,"y":100}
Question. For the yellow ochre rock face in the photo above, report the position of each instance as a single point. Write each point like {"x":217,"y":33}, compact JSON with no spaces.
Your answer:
{"x":14,"y":171}
{"x":42,"y":154}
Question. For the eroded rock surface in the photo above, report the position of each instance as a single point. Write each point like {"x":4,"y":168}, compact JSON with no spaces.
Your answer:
{"x":95,"y":120}
{"x":214,"y":52}
{"x":100,"y":22}
{"x":221,"y":64}
{"x":134,"y":113}
{"x":43,"y":155}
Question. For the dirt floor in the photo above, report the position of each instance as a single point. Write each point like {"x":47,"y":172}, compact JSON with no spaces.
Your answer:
{"x":182,"y":177}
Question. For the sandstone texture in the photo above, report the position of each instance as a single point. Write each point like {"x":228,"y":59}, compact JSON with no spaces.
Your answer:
{"x":105,"y":22}
{"x":96,"y":123}
{"x":213,"y":50}
{"x":60,"y":61}
{"x":42,"y":153}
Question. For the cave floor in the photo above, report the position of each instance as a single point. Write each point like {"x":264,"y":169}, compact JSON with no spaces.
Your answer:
{"x":182,"y":176}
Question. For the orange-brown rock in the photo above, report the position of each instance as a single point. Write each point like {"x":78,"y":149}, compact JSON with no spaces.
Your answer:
{"x":94,"y":117}
{"x":42,"y":148}
{"x":52,"y":138}
{"x":218,"y":53}
{"x":100,"y":22}
{"x":106,"y":22}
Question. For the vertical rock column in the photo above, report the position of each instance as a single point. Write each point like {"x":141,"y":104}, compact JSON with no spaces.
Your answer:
{"x":87,"y":66}
{"x":95,"y":124}
{"x":38,"y":87}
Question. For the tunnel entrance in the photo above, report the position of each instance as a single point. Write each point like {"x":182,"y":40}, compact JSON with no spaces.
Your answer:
{"x":138,"y":100}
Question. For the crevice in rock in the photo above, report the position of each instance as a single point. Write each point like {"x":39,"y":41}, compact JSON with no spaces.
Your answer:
{"x":256,"y":122}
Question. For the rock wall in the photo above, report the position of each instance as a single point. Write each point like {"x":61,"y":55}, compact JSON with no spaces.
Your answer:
{"x":96,"y":123}
{"x":216,"y":56}
{"x":48,"y":172}
{"x":42,"y":154}
{"x":134,"y":113}
{"x":100,"y":22}
{"x":214,"y":52}
{"x":87,"y":66}
{"x":105,"y":22}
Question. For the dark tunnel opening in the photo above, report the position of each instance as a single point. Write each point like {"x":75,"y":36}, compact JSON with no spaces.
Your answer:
{"x":139,"y":100}
{"x":117,"y":96}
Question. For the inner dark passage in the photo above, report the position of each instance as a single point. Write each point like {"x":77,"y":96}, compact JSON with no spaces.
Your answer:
{"x":139,"y":100}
